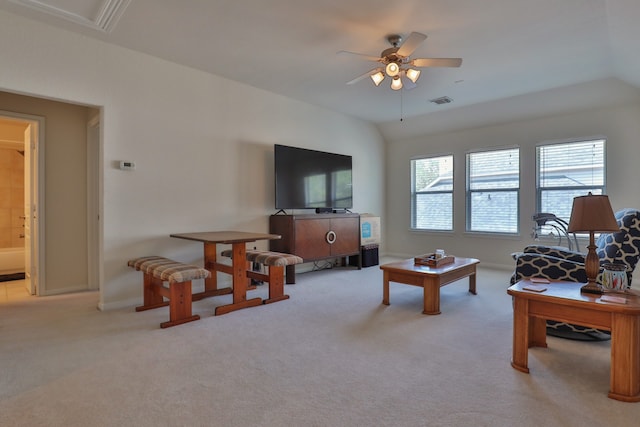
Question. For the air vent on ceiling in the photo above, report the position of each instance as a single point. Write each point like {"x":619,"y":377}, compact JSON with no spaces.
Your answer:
{"x":441,"y":100}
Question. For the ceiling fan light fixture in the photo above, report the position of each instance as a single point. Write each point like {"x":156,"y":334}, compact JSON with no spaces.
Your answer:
{"x":392,"y":69}
{"x":396,"y":83}
{"x":396,"y":63}
{"x":377,"y":78}
{"x":413,"y":74}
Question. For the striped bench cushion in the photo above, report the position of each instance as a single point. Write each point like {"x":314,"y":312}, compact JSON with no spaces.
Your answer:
{"x":268,"y":258}
{"x":168,"y":270}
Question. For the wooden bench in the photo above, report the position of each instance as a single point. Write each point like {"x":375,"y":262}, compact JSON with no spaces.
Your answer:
{"x":156,"y":271}
{"x":276,"y":263}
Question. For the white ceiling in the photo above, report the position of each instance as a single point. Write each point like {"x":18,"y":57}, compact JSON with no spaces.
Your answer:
{"x":289,"y":47}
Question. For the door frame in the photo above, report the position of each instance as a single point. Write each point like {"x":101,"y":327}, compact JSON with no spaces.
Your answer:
{"x":94,"y":203}
{"x":38,"y":286}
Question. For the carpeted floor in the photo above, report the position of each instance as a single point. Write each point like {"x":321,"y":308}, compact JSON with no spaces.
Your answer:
{"x":332,"y":355}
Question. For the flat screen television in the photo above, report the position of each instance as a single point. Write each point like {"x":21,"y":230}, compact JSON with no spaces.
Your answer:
{"x":310,"y":179}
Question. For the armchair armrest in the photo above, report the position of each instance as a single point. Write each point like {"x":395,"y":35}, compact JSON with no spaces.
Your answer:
{"x":549,"y":267}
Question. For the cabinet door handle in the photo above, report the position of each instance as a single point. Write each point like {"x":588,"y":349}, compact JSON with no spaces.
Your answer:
{"x":330,"y":237}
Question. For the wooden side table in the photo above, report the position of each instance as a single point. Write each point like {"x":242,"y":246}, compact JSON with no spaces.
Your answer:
{"x":563,"y":302}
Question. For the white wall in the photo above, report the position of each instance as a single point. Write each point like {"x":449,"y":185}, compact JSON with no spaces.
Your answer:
{"x":619,"y":124}
{"x":203,"y":145}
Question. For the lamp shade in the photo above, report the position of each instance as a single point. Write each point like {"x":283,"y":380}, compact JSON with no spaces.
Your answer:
{"x":396,"y":83}
{"x":377,"y":78}
{"x":592,"y":213}
{"x":413,"y":74}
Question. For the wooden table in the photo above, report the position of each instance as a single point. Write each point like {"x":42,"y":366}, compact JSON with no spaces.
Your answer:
{"x":429,"y":278}
{"x":238,"y":268}
{"x":563,"y":302}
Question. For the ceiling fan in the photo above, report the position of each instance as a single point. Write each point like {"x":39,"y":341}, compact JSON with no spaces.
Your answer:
{"x":397,"y":64}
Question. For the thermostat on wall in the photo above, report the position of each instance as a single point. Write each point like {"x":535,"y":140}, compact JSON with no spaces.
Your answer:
{"x":127,"y":165}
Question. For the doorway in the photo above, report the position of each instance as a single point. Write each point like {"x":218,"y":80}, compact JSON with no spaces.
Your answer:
{"x":73,"y":186}
{"x":21,"y":197}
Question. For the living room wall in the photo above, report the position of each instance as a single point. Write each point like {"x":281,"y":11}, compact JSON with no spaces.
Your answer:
{"x":203,"y":145}
{"x":619,"y":124}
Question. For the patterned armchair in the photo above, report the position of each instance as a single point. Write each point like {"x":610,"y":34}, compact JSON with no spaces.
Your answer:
{"x":555,"y":263}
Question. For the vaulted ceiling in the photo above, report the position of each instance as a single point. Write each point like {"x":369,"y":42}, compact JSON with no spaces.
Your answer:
{"x":289,"y":47}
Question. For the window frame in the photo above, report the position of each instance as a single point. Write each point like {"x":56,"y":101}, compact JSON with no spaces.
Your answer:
{"x":415,"y":194}
{"x":469,"y":193}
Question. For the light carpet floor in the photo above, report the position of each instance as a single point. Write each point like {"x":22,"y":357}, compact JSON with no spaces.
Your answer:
{"x":331,"y":355}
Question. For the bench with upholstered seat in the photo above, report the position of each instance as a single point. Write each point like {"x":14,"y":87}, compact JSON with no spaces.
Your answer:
{"x":156,"y":271}
{"x":276,"y":263}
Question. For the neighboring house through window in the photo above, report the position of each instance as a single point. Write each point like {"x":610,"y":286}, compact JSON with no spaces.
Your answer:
{"x":566,"y":170}
{"x":493,"y":191}
{"x":432,"y":193}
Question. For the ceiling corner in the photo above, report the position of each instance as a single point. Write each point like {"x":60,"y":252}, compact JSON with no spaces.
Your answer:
{"x":100,"y":15}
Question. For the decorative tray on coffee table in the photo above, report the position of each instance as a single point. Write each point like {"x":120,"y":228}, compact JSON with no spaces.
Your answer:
{"x":431,"y":260}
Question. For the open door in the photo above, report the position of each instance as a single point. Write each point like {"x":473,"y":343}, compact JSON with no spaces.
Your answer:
{"x":30,"y":211}
{"x":33,"y":138}
{"x":94,"y":189}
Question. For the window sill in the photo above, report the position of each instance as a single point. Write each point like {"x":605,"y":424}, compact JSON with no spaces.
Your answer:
{"x":486,"y":234}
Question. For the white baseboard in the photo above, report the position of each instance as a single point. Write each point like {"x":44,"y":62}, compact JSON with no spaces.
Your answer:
{"x":69,"y":290}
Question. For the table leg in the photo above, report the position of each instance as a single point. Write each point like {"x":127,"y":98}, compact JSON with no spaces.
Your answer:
{"x":211,"y":282}
{"x":239,"y":265}
{"x":537,"y":332}
{"x":521,"y":319}
{"x":291,"y":274}
{"x":472,"y":282}
{"x":239,"y":277}
{"x":431,"y":297}
{"x":625,"y":358}
{"x":249,"y":286}
{"x":210,"y":258}
{"x":385,"y":288}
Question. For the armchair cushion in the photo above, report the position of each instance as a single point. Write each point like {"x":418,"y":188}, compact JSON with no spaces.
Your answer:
{"x":556,"y":251}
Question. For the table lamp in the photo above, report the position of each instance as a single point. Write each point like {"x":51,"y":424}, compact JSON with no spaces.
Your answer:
{"x":592,"y":214}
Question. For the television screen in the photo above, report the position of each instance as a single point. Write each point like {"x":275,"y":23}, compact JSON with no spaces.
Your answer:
{"x":308,"y":179}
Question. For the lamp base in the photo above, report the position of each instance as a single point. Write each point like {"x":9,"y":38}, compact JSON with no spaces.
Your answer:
{"x":591,"y":288}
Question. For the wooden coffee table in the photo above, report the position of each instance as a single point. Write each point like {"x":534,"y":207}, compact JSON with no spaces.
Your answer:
{"x":429,"y":278}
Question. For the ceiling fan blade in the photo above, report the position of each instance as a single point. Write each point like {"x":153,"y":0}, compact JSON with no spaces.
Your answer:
{"x":361,"y":55}
{"x":411,"y":43}
{"x":364,"y":76}
{"x":436,"y":62}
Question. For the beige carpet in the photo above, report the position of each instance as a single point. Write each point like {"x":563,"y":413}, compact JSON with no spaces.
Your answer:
{"x":332,"y":355}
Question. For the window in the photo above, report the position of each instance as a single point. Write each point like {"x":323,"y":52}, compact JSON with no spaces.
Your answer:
{"x":566,"y":170}
{"x":432,"y":193}
{"x":493,"y":191}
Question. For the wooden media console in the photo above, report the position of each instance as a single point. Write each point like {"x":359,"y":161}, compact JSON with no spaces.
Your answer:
{"x":315,"y":237}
